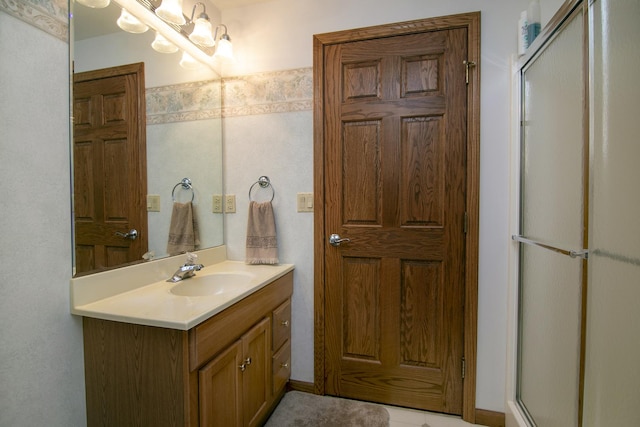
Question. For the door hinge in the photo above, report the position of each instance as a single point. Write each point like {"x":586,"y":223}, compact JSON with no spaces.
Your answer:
{"x":465,"y":226}
{"x":464,"y":367}
{"x":467,"y":65}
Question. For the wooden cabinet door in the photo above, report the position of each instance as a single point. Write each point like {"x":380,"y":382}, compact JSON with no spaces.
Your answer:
{"x":256,"y":379}
{"x":221,"y":389}
{"x":235,"y":386}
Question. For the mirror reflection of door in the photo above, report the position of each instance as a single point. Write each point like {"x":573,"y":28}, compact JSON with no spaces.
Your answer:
{"x":109,"y":164}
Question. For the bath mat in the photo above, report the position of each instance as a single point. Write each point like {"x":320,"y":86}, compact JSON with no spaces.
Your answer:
{"x":298,"y":409}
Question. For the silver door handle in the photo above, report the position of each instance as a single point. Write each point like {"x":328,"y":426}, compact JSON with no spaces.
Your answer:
{"x":335,"y":240}
{"x":131,"y":234}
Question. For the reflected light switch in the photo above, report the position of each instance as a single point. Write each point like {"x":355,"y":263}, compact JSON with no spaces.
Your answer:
{"x":153,"y":203}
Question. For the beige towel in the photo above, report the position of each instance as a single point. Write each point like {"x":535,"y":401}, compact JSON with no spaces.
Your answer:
{"x":262,"y":245}
{"x":183,"y":229}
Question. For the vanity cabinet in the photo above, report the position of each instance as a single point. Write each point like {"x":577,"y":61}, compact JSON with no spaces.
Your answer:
{"x":230,"y":370}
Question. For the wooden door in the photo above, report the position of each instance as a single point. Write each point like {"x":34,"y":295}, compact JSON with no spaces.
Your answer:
{"x":256,"y":377}
{"x":395,"y":184}
{"x":221,"y":389}
{"x":109,"y":160}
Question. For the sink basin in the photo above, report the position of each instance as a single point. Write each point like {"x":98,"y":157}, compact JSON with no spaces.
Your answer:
{"x":212,"y":284}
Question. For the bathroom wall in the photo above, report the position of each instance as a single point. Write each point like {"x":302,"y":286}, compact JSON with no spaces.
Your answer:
{"x":267,"y":43}
{"x":41,"y":362}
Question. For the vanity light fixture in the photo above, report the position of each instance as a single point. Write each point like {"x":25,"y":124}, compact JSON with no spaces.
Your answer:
{"x":130,"y":23}
{"x":171,"y":11}
{"x":192,"y":37}
{"x":96,"y":4}
{"x":201,"y":33}
{"x":162,"y":45}
{"x":202,"y":29}
{"x":188,"y":62}
{"x":225,"y":48}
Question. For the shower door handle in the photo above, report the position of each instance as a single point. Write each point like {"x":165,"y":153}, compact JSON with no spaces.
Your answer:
{"x":335,"y":240}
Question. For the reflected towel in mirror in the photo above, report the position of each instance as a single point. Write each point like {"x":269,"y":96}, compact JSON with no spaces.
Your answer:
{"x":183,"y":229}
{"x":262,"y":244}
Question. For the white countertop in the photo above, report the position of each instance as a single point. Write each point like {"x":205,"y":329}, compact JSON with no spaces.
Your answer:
{"x":154,"y":304}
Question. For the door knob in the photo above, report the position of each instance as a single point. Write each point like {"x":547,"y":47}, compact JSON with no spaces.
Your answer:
{"x":335,"y":240}
{"x":131,"y":234}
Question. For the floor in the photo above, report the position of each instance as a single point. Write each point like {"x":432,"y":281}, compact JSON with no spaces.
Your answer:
{"x":402,"y":417}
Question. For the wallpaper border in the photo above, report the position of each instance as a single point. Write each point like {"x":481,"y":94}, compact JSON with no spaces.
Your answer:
{"x":50,"y":16}
{"x":270,"y":92}
{"x":263,"y":93}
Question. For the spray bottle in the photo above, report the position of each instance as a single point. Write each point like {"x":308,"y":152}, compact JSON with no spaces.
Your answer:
{"x":523,"y":43}
{"x":533,"y":21}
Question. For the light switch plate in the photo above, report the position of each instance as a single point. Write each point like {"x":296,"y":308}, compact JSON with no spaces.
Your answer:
{"x":153,"y":203}
{"x":305,"y":202}
{"x":216,"y":203}
{"x":230,"y":203}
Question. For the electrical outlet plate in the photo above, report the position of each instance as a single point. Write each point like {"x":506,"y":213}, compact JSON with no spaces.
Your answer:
{"x":153,"y":203}
{"x":216,"y":203}
{"x":230,"y":203}
{"x":305,"y":202}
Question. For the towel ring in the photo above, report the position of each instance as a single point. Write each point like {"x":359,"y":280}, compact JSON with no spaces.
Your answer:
{"x":263,"y":182}
{"x":186,"y":184}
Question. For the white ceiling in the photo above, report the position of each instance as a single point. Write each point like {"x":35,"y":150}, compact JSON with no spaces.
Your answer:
{"x":88,"y":22}
{"x":230,"y":4}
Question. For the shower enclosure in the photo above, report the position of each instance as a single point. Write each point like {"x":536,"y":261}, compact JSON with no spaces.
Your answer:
{"x":578,"y":324}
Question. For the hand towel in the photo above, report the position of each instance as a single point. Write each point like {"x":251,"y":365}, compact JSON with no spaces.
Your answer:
{"x":183,"y":229}
{"x":262,"y":244}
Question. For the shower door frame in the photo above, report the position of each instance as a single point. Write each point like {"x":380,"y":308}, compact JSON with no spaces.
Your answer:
{"x":563,"y":16}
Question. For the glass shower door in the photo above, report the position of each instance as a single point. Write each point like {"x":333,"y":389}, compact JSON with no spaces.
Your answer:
{"x":552,"y":229}
{"x":612,"y":372}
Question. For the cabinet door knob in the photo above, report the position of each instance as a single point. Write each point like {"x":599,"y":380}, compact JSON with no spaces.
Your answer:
{"x":246,"y":363}
{"x":285,"y":323}
{"x":284,"y":365}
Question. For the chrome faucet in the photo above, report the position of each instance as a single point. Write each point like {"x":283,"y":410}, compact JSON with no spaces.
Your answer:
{"x":187,"y":270}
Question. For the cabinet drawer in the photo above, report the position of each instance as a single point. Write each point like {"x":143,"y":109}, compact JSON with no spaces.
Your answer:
{"x":281,"y":367}
{"x":281,"y":324}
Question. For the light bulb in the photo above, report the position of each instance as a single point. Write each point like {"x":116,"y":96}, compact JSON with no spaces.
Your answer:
{"x":162,"y":45}
{"x":201,"y":33}
{"x":188,"y":62}
{"x":171,"y":11}
{"x":225,"y":48}
{"x":130,"y":23}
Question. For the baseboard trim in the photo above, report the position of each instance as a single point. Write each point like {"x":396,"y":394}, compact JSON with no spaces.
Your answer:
{"x":484,"y":417}
{"x":300,"y":386}
{"x":490,"y":418}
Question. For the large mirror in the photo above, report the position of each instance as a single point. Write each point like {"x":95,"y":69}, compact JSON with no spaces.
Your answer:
{"x":181,"y":138}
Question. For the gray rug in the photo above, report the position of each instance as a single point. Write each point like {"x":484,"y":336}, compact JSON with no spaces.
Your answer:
{"x":299,"y":409}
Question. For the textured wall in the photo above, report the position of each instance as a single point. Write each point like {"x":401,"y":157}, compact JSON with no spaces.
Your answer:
{"x":41,"y":363}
